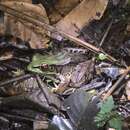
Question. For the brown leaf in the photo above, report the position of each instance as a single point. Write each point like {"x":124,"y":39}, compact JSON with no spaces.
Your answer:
{"x":65,"y":6}
{"x":62,"y":8}
{"x":23,"y":30}
{"x":36,"y":11}
{"x":82,"y":72}
{"x":81,"y":15}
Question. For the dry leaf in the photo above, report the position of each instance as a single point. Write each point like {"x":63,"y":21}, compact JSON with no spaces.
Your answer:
{"x":65,"y":6}
{"x":26,"y":31}
{"x":81,"y":15}
{"x":36,"y":11}
{"x":62,"y":8}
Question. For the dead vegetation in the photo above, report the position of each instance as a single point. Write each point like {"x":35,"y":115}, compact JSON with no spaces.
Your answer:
{"x":64,"y":65}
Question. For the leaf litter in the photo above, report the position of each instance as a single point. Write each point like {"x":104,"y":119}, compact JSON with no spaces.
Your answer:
{"x":64,"y":65}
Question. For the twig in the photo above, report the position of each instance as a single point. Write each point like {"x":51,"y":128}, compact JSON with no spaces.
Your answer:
{"x":22,"y":59}
{"x":43,"y":89}
{"x":52,"y":29}
{"x":92,"y":86}
{"x":106,"y":33}
{"x":8,"y":66}
{"x":2,"y":84}
{"x":4,"y":58}
{"x":17,"y":117}
{"x":116,"y":84}
{"x":51,"y":99}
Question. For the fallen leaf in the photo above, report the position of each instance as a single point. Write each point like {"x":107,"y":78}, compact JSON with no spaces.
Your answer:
{"x":62,"y":8}
{"x":26,"y":31}
{"x":82,"y":73}
{"x":81,"y":15}
{"x":65,"y":6}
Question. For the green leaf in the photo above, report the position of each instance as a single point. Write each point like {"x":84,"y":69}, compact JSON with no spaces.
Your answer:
{"x":106,"y":112}
{"x":100,"y":120}
{"x":116,"y":123}
{"x":107,"y":106}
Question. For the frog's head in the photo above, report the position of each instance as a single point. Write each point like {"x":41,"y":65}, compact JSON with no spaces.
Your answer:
{"x":41,"y":60}
{"x":58,"y":59}
{"x":45,"y":61}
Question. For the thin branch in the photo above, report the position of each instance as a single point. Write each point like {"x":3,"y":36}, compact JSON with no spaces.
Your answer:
{"x":51,"y":99}
{"x":23,"y":77}
{"x":43,"y":89}
{"x":106,"y":33}
{"x":116,"y":84}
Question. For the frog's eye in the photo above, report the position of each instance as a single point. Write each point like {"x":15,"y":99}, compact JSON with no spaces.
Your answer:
{"x":45,"y":66}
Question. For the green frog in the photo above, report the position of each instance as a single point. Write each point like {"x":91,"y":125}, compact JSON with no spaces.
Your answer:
{"x":41,"y":63}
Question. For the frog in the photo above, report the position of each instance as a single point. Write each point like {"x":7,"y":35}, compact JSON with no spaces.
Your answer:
{"x":47,"y":60}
